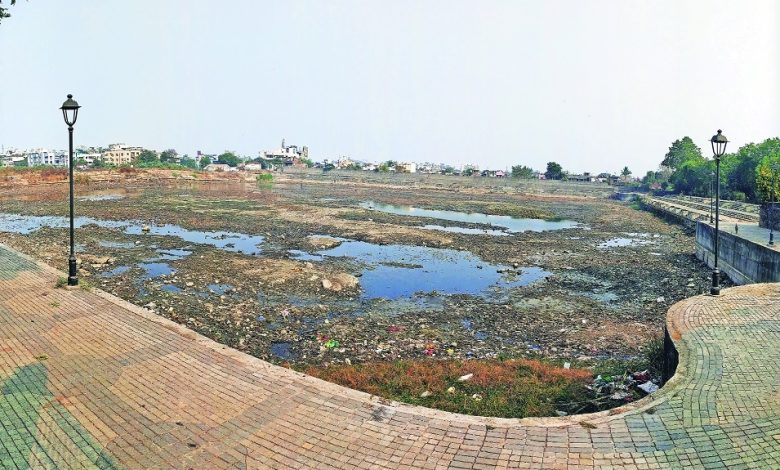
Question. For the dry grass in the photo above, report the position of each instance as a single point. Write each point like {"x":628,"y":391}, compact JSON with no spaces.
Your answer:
{"x":511,"y":389}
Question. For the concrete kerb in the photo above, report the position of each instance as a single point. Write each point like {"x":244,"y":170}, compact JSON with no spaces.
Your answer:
{"x":674,"y":324}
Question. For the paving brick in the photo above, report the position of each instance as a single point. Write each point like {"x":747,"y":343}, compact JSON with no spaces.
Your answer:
{"x":99,"y":383}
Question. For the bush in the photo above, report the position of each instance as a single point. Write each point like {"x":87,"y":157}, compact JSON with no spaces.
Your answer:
{"x":265,"y":178}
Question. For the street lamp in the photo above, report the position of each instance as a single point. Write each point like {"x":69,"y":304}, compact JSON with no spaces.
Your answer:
{"x":775,"y":166}
{"x":70,"y":111}
{"x":712,"y":183}
{"x":718,"y":142}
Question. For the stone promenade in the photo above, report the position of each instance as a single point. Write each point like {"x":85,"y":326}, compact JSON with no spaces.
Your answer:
{"x":91,"y":381}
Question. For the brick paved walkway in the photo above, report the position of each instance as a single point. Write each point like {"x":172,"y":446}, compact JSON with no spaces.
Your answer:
{"x":91,"y":381}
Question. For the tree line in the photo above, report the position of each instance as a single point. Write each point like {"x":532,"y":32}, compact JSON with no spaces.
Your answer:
{"x":749,"y":174}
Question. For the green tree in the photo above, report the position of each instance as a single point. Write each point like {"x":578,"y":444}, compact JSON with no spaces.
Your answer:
{"x":522,"y":171}
{"x":229,"y":158}
{"x":768,"y":177}
{"x":204,"y":162}
{"x":4,"y":11}
{"x":169,"y":155}
{"x":681,"y":150}
{"x":148,"y":156}
{"x":693,"y":177}
{"x":738,"y":170}
{"x":626,"y":172}
{"x":308,"y":162}
{"x":188,"y":162}
{"x":554,"y":171}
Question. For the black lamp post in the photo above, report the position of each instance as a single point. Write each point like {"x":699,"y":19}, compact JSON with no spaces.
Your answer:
{"x":712,"y":183}
{"x":718,"y":142}
{"x":775,"y":166}
{"x":70,"y":111}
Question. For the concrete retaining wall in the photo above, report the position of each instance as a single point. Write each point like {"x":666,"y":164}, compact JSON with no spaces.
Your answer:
{"x":744,"y":261}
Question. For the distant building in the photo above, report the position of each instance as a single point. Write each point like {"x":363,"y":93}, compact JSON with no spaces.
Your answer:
{"x":290,"y":155}
{"x":431,"y":168}
{"x":220,"y":167}
{"x":89,"y":158}
{"x":252,"y":167}
{"x":40,"y":157}
{"x":407,"y":167}
{"x":584,"y":178}
{"x":212,"y":158}
{"x":346,"y":163}
{"x":120,"y":154}
{"x":12,"y":157}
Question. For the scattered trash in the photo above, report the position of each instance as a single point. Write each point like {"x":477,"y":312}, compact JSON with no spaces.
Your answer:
{"x":476,"y":397}
{"x":648,"y":387}
{"x":660,"y":300}
{"x":620,"y":396}
{"x":426,"y":394}
{"x":641,"y":377}
{"x":451,"y":390}
{"x":464,"y":378}
{"x":567,"y":365}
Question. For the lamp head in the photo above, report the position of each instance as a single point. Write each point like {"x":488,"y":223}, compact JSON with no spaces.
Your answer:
{"x":719,"y":142}
{"x":70,"y":111}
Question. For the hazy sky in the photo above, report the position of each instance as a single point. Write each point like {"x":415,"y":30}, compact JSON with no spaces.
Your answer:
{"x":593,"y":85}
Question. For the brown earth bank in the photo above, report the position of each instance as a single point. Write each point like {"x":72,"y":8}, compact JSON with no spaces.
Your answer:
{"x":599,"y":290}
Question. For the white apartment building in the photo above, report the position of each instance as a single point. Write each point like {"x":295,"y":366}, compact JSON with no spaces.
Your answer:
{"x":40,"y":157}
{"x":407,"y":167}
{"x":289,"y":154}
{"x":89,"y":158}
{"x":120,"y":154}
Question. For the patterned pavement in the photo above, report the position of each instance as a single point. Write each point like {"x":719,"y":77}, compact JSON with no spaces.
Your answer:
{"x":91,"y":381}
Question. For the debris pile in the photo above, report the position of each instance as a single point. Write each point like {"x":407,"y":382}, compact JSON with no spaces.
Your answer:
{"x":623,"y":388}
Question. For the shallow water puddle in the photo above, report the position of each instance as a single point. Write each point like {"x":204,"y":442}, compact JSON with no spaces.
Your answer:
{"x":228,"y":241}
{"x":395,"y":271}
{"x":100,"y":197}
{"x":281,"y":350}
{"x":511,"y":224}
{"x":220,"y":289}
{"x":632,"y":239}
{"x":116,"y":245}
{"x":467,"y":231}
{"x":116,"y":271}
{"x":153,"y":270}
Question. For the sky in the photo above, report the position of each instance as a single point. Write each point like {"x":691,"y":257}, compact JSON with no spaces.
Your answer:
{"x":593,"y":85}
